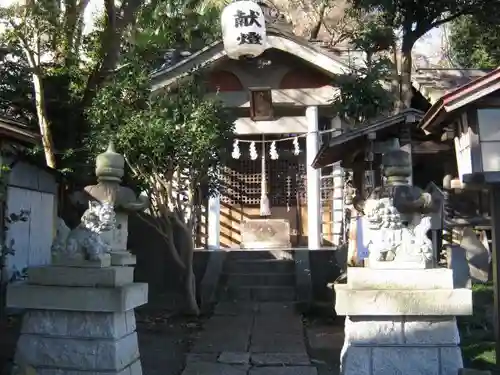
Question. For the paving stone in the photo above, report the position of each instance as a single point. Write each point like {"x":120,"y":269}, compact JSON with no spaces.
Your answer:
{"x":201,"y":357}
{"x":261,"y":279}
{"x":222,"y":341}
{"x":284,"y":370}
{"x":241,"y":323}
{"x":274,"y":359}
{"x":209,"y":368}
{"x":225,"y":333}
{"x":277,"y":342}
{"x":278,"y":324}
{"x":234,"y":358}
{"x":236,"y":308}
{"x":278,"y":308}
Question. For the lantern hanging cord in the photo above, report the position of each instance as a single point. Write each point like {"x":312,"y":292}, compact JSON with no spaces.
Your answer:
{"x":286,"y":138}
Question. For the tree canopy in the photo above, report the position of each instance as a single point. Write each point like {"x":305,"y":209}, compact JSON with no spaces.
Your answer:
{"x":82,"y":90}
{"x":387,"y":31}
{"x":475,"y":41}
{"x":53,"y":68}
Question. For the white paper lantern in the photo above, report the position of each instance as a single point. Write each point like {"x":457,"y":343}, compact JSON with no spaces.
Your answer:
{"x":243,"y":29}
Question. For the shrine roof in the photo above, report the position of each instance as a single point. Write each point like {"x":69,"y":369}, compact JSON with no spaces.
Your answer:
{"x":354,"y":140}
{"x":433,"y":83}
{"x":18,"y":131}
{"x":468,"y":93}
{"x":279,"y":38}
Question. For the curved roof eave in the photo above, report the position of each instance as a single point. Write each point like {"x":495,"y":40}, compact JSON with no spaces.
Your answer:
{"x":276,"y":39}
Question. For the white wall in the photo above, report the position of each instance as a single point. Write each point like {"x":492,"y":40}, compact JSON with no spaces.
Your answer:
{"x":33,"y":238}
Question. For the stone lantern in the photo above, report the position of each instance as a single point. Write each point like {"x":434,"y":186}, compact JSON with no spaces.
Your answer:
{"x":109,"y":170}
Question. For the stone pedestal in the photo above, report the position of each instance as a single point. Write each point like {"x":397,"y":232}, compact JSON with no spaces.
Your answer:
{"x":401,"y":321}
{"x":117,"y":239}
{"x":79,"y":321}
{"x":265,"y":234}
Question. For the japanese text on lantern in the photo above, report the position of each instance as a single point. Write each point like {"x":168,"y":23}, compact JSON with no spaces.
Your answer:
{"x":243,"y":19}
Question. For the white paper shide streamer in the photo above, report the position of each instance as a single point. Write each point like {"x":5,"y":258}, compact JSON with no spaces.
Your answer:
{"x":296,"y":147}
{"x":273,"y":153}
{"x":236,"y":150}
{"x":253,"y":151}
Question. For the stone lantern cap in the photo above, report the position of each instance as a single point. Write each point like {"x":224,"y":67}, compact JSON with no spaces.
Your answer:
{"x":110,"y":165}
{"x":110,"y":168}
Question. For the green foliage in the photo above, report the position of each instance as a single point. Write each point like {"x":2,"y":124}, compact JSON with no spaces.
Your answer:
{"x":477,"y":337}
{"x":373,"y":25}
{"x":164,"y":133}
{"x":362,"y":96}
{"x":415,"y":17}
{"x":187,"y":28}
{"x":74,"y":66}
{"x":368,"y":31}
{"x":475,"y":41}
{"x":362,"y":93}
{"x":168,"y":131}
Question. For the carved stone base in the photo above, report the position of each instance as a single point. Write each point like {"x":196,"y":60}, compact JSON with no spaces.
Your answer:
{"x":78,"y":329}
{"x":103,"y":261}
{"x":396,"y":265}
{"x":401,"y":321}
{"x":398,"y":345}
{"x":122,"y":258}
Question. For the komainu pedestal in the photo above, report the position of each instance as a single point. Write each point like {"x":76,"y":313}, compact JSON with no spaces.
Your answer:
{"x":401,"y":321}
{"x":79,"y":320}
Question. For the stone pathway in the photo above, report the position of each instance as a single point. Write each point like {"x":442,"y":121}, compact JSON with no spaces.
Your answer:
{"x":251,"y":339}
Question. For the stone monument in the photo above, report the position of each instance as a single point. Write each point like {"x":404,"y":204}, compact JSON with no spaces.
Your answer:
{"x":400,"y":313}
{"x":109,"y":171}
{"x":80,"y":310}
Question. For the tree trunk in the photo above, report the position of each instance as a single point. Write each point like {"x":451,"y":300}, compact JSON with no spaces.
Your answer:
{"x":43,"y":122}
{"x":396,"y":80}
{"x":184,"y":243}
{"x":406,"y":70}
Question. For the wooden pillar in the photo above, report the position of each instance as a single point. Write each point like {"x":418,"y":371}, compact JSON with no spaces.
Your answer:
{"x":447,"y":210}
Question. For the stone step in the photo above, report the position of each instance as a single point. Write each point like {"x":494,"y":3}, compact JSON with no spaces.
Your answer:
{"x":260,"y":254}
{"x":259,"y":293}
{"x":261,"y":279}
{"x":260,"y":266}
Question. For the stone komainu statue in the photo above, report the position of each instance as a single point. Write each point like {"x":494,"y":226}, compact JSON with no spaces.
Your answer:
{"x":397,"y":215}
{"x":84,"y":242}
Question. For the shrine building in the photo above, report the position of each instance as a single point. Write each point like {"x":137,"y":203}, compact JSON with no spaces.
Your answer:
{"x":283,"y":103}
